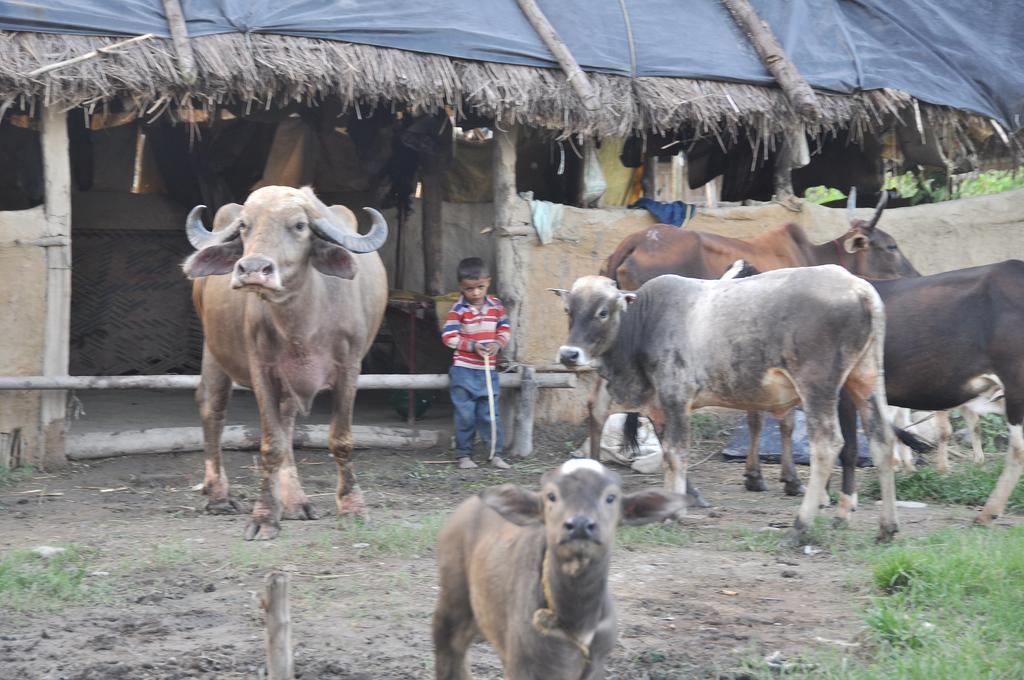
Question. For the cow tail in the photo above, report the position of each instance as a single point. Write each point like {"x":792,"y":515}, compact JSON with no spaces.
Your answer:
{"x":631,"y":434}
{"x":912,"y":440}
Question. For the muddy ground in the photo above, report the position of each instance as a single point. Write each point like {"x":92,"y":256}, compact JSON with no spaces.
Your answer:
{"x":174,"y":593}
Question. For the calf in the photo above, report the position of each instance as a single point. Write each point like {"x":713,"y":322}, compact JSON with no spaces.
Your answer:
{"x":765,"y":343}
{"x":528,"y":572}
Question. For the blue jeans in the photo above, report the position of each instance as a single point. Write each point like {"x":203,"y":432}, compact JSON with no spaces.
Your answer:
{"x":469,"y":396}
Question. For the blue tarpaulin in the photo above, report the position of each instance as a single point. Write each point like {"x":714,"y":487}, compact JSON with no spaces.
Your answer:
{"x":962,"y":55}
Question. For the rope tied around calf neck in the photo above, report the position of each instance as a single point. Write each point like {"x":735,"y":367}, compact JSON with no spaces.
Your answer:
{"x":546,"y":618}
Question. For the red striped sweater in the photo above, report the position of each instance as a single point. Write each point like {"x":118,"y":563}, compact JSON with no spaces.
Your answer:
{"x":465,"y":326}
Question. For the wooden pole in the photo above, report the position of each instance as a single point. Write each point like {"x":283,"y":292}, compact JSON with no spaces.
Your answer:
{"x":523,"y":442}
{"x":280,"y":664}
{"x":796,"y":89}
{"x":432,"y":176}
{"x":57,"y":340}
{"x":92,"y":445}
{"x":549,"y":36}
{"x":370,"y":381}
{"x":511,"y":277}
{"x":179,"y":35}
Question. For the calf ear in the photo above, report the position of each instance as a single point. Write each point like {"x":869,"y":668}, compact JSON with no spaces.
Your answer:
{"x":332,"y":260}
{"x":213,"y":260}
{"x":652,"y":505}
{"x":855,"y":243}
{"x":514,"y":503}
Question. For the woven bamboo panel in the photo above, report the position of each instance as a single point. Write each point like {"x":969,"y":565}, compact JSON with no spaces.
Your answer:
{"x":131,"y":305}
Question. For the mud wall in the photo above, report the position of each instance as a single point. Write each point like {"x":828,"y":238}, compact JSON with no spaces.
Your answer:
{"x":937,"y":237}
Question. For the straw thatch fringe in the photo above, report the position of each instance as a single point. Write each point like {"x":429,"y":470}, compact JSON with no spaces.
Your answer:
{"x":265,"y":71}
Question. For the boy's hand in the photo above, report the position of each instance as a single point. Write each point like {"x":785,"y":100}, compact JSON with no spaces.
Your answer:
{"x":486,"y":348}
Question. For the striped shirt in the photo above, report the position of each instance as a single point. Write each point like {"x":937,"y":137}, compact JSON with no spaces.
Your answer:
{"x":465,"y":325}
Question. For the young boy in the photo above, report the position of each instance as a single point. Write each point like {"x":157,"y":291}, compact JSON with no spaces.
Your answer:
{"x":476,"y":327}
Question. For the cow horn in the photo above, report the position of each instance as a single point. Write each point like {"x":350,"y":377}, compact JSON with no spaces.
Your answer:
{"x":198,"y":235}
{"x":851,"y":204}
{"x":356,"y":243}
{"x":882,"y":201}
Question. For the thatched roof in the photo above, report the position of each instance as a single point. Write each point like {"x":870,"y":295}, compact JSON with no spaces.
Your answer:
{"x":265,"y":71}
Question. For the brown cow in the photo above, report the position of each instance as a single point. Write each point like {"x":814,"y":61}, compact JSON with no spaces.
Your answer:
{"x":288,"y":310}
{"x":863,"y":250}
{"x":529,"y":572}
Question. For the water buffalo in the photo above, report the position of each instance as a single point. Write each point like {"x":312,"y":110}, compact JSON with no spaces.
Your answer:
{"x":290,"y":296}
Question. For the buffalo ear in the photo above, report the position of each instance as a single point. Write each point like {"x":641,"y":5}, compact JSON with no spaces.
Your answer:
{"x":332,"y":260}
{"x":855,"y":243}
{"x":652,"y":505}
{"x":514,"y":503}
{"x":213,"y":260}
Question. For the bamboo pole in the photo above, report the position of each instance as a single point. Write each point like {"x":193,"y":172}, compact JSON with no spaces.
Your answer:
{"x":179,"y":35}
{"x":799,"y":93}
{"x":549,"y":36}
{"x":280,"y":663}
{"x":376,"y":381}
{"x":109,"y":49}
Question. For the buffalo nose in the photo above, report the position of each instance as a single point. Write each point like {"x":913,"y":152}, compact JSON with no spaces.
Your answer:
{"x":255,"y":267}
{"x":569,"y":356}
{"x":580,"y":527}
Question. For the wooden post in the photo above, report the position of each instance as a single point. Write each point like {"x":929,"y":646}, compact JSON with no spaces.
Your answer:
{"x":432,"y":177}
{"x":511,"y":282}
{"x":523,"y":442}
{"x":56,"y":342}
{"x":792,"y":152}
{"x":179,"y":35}
{"x":573,"y":73}
{"x":796,"y":89}
{"x":649,"y":182}
{"x":280,"y":665}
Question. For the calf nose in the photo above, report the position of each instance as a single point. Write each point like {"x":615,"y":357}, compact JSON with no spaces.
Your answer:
{"x":569,"y":356}
{"x":580,"y":527}
{"x":255,"y":269}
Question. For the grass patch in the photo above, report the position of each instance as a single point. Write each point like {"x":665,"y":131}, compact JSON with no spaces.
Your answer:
{"x":652,"y":534}
{"x":950,"y":606}
{"x":396,"y":538}
{"x":821,"y":534}
{"x":29,"y":581}
{"x":965,"y":485}
{"x":9,"y":476}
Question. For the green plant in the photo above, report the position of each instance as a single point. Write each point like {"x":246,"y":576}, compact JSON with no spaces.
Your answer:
{"x":965,"y":485}
{"x":992,"y":428}
{"x":31,"y":581}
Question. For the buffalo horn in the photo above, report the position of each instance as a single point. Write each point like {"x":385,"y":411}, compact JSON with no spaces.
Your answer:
{"x":198,"y":235}
{"x":356,"y":243}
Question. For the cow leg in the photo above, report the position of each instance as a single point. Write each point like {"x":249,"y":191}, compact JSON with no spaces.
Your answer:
{"x":848,"y":456}
{"x":675,"y":444}
{"x":265,"y":523}
{"x":349,"y":497}
{"x":878,"y":431}
{"x":945,"y":431}
{"x":294,"y":503}
{"x":900,"y":451}
{"x":1013,"y":466}
{"x":657,"y":417}
{"x":788,"y":476}
{"x":597,"y":411}
{"x":212,"y":396}
{"x":822,"y":430}
{"x":753,"y":480}
{"x":973,"y":421}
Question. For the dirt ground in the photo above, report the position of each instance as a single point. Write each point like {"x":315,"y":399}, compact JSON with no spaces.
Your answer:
{"x":174,"y":593}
